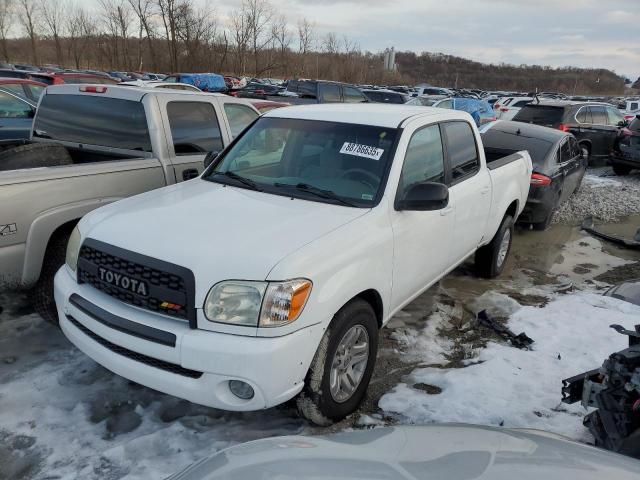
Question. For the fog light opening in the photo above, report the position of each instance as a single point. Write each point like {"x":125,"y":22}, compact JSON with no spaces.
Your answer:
{"x":241,"y":389}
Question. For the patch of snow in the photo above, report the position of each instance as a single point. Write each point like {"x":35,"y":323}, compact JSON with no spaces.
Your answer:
{"x":598,"y":181}
{"x":520,"y":388}
{"x":427,"y":345}
{"x":82,"y":421}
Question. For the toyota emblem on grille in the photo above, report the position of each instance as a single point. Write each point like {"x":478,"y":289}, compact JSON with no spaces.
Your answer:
{"x":124,"y":282}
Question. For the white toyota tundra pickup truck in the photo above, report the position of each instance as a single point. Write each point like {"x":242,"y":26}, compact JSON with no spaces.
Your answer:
{"x":270,"y":275}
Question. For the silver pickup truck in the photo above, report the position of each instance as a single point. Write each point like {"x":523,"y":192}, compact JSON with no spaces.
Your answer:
{"x":92,"y":145}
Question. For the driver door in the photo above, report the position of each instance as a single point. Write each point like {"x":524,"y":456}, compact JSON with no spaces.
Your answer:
{"x":422,"y":239}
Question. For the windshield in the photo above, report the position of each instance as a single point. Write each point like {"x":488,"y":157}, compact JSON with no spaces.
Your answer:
{"x":320,"y":161}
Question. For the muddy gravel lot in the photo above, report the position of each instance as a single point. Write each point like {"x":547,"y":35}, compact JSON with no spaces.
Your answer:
{"x":63,"y":416}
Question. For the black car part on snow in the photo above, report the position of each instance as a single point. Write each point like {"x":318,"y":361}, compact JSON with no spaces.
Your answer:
{"x":521,"y":340}
{"x":588,"y":226}
{"x":614,"y":390}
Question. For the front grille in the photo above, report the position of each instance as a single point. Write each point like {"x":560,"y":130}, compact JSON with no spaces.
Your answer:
{"x":138,"y":357}
{"x":169,"y":289}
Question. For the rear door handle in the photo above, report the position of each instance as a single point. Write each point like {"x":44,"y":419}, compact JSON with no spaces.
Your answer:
{"x":484,"y":191}
{"x":446,"y":211}
{"x":189,"y":173}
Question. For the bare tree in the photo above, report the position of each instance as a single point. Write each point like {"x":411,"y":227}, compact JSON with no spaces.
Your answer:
{"x":144,"y":11}
{"x":172,"y":13}
{"x":305,"y":41}
{"x":6,"y":20}
{"x":29,"y":18}
{"x":241,"y":33}
{"x":282,"y":37}
{"x":52,"y":16}
{"x":79,"y":29}
{"x":259,"y":15}
{"x":117,"y":19}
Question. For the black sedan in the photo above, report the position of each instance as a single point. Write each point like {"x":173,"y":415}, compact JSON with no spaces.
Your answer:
{"x":558,"y":165}
{"x":256,"y":90}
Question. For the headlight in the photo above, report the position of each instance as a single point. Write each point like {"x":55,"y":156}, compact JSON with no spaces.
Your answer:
{"x":73,"y":249}
{"x":256,"y":304}
{"x":235,"y":302}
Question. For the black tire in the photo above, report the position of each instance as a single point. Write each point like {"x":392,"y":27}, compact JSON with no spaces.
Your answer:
{"x":487,"y":259}
{"x":316,"y":402}
{"x":543,"y":225}
{"x":42,"y":294}
{"x":34,"y":155}
{"x":621,"y":169}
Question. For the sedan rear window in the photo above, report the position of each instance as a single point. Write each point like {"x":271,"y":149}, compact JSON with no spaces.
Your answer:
{"x":540,"y":115}
{"x":92,"y":120}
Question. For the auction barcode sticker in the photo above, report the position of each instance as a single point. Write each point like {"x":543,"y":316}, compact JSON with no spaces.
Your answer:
{"x":362,"y":150}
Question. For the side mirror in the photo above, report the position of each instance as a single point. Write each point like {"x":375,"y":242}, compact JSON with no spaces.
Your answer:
{"x":209,"y":158}
{"x":424,"y":197}
{"x":623,"y":123}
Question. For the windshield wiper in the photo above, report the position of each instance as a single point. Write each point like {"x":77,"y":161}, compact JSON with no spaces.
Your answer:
{"x":318,"y":192}
{"x":239,"y":178}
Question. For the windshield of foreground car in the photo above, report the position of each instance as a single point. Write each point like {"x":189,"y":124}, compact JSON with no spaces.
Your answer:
{"x":321,"y":161}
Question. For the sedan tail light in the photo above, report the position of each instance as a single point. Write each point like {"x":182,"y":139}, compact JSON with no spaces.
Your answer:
{"x":539,"y":180}
{"x":503,"y":109}
{"x":563,"y":127}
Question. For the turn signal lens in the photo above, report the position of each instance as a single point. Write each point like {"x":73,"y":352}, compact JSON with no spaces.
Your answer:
{"x":283,"y":302}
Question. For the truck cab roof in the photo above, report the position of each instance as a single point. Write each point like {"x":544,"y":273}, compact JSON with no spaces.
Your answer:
{"x":121,"y":92}
{"x":379,"y":114}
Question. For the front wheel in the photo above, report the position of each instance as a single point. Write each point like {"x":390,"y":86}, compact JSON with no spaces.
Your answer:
{"x":491,"y":259}
{"x":342,"y":366}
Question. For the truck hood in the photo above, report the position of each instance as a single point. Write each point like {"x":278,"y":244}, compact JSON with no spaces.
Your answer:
{"x":218,"y":232}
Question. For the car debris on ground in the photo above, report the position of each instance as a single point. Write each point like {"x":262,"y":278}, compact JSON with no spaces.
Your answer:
{"x":614,"y":390}
{"x":588,"y":226}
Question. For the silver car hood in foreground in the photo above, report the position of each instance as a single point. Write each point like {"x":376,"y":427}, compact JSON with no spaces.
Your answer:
{"x":435,"y":452}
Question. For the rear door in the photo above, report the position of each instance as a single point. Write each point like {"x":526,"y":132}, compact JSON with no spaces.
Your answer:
{"x":330,"y":93}
{"x":193,"y":127}
{"x":601,"y":133}
{"x":570,"y":164}
{"x":469,"y":188}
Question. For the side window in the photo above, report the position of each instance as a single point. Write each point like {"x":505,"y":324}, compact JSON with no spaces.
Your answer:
{"x":614,"y":116}
{"x":461,"y":149}
{"x":424,"y":160}
{"x":353,"y":95}
{"x":584,"y":115}
{"x":239,"y":116}
{"x":11,"y":107}
{"x":194,"y":128}
{"x":446,"y":104}
{"x":598,"y":116}
{"x":565,"y":152}
{"x":171,"y":79}
{"x":330,"y":93}
{"x":634,"y":106}
{"x":521,"y":103}
{"x":507,"y":102}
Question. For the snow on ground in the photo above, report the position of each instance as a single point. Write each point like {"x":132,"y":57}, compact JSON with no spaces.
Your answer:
{"x":520,"y":388}
{"x":63,"y":416}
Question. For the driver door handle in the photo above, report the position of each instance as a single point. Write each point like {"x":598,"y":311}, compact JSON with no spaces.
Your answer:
{"x":484,"y":190}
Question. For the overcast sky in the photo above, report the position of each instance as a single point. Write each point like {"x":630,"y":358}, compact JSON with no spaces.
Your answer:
{"x":583,"y":33}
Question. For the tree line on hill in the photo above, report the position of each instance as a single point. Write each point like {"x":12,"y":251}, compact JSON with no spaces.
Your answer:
{"x":255,"y":40}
